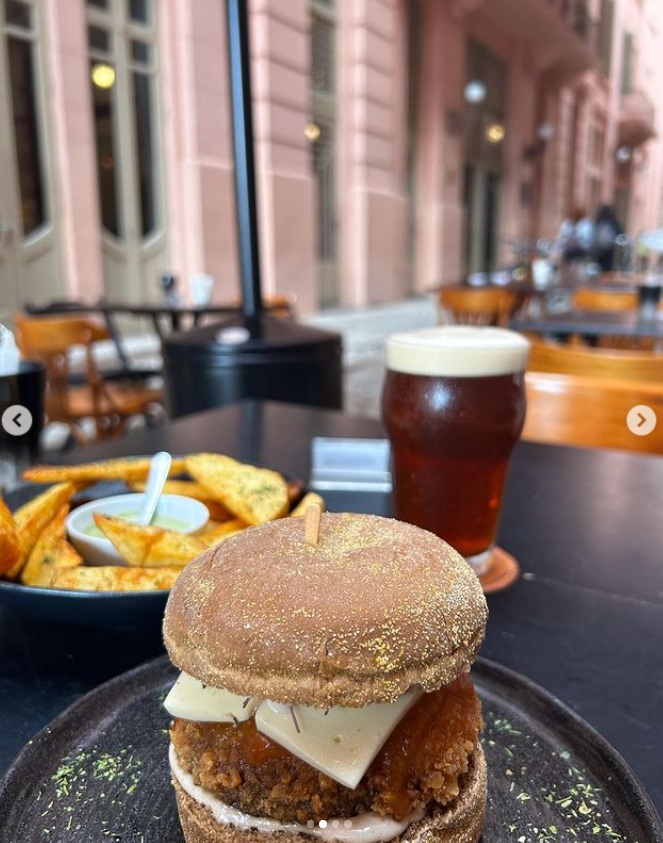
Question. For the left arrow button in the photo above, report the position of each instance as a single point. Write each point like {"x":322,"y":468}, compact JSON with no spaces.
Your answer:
{"x":16,"y":420}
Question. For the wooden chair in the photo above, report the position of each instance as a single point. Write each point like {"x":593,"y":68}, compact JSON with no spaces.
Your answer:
{"x":590,"y":412}
{"x":605,"y":300}
{"x":283,"y":305}
{"x":604,"y":364}
{"x":476,"y":306}
{"x":108,"y":404}
{"x":609,"y":301}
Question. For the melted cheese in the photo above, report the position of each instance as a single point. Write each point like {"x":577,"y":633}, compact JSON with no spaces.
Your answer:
{"x":363,"y":828}
{"x":341,"y":743}
{"x":191,"y":700}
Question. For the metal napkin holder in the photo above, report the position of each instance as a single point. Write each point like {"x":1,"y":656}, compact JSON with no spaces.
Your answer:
{"x":358,"y":465}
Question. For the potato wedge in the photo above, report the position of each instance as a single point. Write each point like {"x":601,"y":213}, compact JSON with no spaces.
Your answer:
{"x":9,"y":543}
{"x":188,"y":488}
{"x":173,"y":548}
{"x":191,"y":489}
{"x":51,"y":552}
{"x":149,"y":546}
{"x":32,"y":519}
{"x":306,"y":501}
{"x":130,"y":470}
{"x":115,"y":578}
{"x":213,"y":535}
{"x":214,"y":527}
{"x":255,"y":495}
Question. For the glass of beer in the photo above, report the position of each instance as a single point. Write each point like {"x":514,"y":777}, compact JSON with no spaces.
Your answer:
{"x":453,"y":405}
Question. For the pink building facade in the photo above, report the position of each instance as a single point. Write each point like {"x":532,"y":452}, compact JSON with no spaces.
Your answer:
{"x":400,"y":143}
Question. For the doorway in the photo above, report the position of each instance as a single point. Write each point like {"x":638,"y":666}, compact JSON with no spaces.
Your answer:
{"x":484,"y":141}
{"x":323,"y":147}
{"x":482,"y":196}
{"x":123,"y":66}
{"x":29,"y":258}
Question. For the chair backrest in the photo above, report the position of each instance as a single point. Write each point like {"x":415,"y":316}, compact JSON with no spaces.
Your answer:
{"x":50,"y":340}
{"x":284,"y":305}
{"x":46,"y":335}
{"x":605,"y":300}
{"x":589,"y":412}
{"x":280,"y":304}
{"x":477,"y":306}
{"x":596,"y":362}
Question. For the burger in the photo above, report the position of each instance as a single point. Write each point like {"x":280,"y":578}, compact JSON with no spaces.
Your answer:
{"x":324,"y":689}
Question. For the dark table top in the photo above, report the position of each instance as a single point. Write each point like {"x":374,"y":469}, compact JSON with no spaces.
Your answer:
{"x":585,"y":621}
{"x":566,"y":283}
{"x":158,"y":308}
{"x":137,"y":309}
{"x":591,"y":323}
{"x":164,"y":309}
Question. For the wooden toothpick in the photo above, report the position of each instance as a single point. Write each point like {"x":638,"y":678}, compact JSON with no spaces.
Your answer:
{"x":312,"y":523}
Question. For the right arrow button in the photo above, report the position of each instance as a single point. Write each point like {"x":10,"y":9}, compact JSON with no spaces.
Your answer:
{"x":641,"y":420}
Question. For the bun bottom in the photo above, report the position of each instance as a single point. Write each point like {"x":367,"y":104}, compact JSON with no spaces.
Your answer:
{"x":462,"y":822}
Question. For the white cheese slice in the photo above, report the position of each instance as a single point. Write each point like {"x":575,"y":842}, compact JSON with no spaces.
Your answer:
{"x":191,"y":700}
{"x":341,"y":743}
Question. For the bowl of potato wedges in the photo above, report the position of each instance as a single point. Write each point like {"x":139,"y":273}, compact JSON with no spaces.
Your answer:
{"x":42,"y":572}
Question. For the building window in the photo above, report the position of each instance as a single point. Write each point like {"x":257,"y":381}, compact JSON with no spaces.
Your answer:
{"x":105,"y":128}
{"x":595,"y":168}
{"x":606,"y":27}
{"x":21,"y":37}
{"x":322,"y":55}
{"x":323,"y":167}
{"x":122,"y":49}
{"x":628,"y":62}
{"x":322,"y":135}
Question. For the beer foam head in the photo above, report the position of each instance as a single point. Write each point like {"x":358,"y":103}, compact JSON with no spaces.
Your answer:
{"x":457,"y":351}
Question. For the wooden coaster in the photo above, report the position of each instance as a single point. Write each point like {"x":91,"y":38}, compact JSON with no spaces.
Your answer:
{"x":503,"y":570}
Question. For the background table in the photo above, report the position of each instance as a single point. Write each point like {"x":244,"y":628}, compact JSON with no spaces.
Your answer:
{"x":591,"y":323}
{"x":178,"y":316}
{"x":585,"y":621}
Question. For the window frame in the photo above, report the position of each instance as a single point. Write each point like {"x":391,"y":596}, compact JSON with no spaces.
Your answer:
{"x":123,"y":30}
{"x":34,"y":36}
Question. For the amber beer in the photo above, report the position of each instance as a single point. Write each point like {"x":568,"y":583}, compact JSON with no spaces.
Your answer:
{"x":453,"y":405}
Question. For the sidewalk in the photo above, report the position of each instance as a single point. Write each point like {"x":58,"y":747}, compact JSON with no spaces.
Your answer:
{"x":364,"y":332}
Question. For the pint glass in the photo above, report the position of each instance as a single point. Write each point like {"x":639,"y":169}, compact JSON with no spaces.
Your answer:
{"x":453,"y":406}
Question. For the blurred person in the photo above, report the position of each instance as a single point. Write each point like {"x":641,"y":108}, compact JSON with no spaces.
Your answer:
{"x":576,"y":236}
{"x":607,"y":229}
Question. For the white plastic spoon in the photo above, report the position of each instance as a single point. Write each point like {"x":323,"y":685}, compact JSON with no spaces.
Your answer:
{"x":159,"y":468}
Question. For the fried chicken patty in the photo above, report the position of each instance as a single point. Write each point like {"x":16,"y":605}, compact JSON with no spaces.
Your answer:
{"x":421,"y":762}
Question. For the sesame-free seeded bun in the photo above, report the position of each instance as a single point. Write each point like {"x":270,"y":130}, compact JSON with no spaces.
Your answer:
{"x":374,"y":607}
{"x":460,"y":822}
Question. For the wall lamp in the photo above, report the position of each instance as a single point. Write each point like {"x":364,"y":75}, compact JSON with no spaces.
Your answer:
{"x":544,"y":134}
{"x":474,"y":93}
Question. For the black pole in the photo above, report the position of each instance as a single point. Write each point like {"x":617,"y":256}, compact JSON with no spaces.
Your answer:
{"x":239,"y":59}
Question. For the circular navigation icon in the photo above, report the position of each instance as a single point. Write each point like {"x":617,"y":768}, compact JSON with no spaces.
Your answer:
{"x":17,"y":420}
{"x":641,"y":420}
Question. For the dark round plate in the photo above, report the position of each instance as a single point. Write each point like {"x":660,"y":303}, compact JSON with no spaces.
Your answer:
{"x":131,"y":610}
{"x":100,"y":772}
{"x":125,"y":610}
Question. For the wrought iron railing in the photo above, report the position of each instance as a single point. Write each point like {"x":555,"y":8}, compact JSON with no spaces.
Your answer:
{"x":637,"y":105}
{"x":576,"y":14}
{"x":582,"y":23}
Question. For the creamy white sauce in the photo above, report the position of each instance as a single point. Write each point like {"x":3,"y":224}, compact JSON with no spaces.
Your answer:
{"x":364,"y":828}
